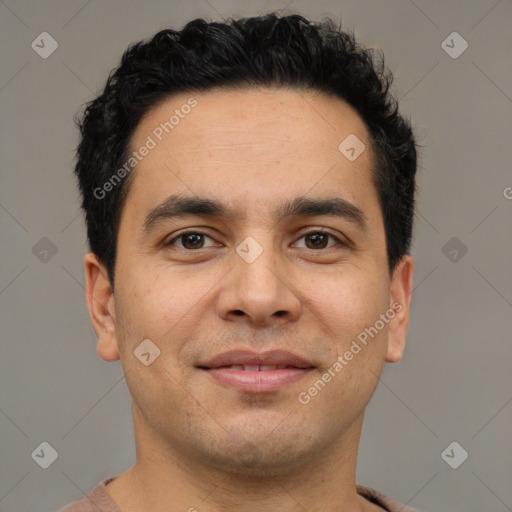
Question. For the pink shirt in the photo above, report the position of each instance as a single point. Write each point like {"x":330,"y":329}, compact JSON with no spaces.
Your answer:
{"x":98,"y":500}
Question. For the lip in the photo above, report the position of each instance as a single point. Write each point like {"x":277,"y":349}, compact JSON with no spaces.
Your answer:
{"x":256,"y":381}
{"x":247,"y":357}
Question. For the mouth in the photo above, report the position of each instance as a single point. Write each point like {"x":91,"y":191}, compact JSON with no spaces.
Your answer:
{"x":255,"y":367}
{"x":251,"y":372}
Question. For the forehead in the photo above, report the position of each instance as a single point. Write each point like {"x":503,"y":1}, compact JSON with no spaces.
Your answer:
{"x":251,"y":146}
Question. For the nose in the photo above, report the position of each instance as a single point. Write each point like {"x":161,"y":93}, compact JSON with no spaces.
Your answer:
{"x":259,"y":293}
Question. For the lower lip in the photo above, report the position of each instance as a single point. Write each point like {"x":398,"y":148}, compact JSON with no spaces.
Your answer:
{"x":257,"y":381}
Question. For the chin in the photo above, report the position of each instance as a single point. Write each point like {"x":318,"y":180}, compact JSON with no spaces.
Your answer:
{"x":257,"y":459}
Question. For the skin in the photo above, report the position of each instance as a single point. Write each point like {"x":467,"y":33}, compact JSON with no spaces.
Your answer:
{"x":199,"y":444}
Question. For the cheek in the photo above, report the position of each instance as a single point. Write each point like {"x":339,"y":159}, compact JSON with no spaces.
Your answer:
{"x":160,"y":309}
{"x":349,"y":307}
{"x":349,"y":301}
{"x":165,"y":307}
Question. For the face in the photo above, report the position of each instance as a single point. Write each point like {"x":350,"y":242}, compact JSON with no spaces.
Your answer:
{"x":287,"y":255}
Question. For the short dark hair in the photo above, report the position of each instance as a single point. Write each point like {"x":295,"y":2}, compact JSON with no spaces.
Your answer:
{"x":268,"y":50}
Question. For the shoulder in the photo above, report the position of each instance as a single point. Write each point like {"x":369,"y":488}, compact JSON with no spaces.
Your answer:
{"x":96,"y":500}
{"x":382,"y":501}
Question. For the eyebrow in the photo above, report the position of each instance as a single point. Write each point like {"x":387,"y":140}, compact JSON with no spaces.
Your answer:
{"x":176,"y":205}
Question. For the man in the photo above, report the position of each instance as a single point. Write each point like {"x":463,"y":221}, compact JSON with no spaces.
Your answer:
{"x":249,"y":195}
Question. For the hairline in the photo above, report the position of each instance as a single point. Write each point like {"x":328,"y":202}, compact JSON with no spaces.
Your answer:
{"x":376,"y":159}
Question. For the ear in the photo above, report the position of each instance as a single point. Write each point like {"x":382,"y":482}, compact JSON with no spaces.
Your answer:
{"x":101,"y":304}
{"x":400,"y":301}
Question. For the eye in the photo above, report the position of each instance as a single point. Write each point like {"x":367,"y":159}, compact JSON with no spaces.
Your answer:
{"x":190,"y":240}
{"x":318,"y":239}
{"x":193,"y":240}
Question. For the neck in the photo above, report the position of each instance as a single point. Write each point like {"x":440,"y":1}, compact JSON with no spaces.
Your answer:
{"x":165,"y":479}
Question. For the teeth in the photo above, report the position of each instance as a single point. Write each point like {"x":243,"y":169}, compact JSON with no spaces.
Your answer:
{"x":256,"y":367}
{"x":259,"y":367}
{"x":251,"y":368}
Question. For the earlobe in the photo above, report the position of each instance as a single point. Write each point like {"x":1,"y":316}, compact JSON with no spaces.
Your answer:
{"x":400,"y":301}
{"x":101,"y":303}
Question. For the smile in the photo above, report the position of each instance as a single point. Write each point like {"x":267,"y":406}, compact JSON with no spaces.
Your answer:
{"x":252,"y":372}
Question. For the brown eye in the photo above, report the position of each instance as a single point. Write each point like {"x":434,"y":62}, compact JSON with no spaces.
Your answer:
{"x":319,"y":240}
{"x":190,"y":240}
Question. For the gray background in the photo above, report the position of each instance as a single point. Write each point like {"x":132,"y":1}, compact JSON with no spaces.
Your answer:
{"x":453,"y":383}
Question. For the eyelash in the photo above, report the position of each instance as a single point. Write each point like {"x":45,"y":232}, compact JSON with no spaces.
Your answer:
{"x":191,"y":232}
